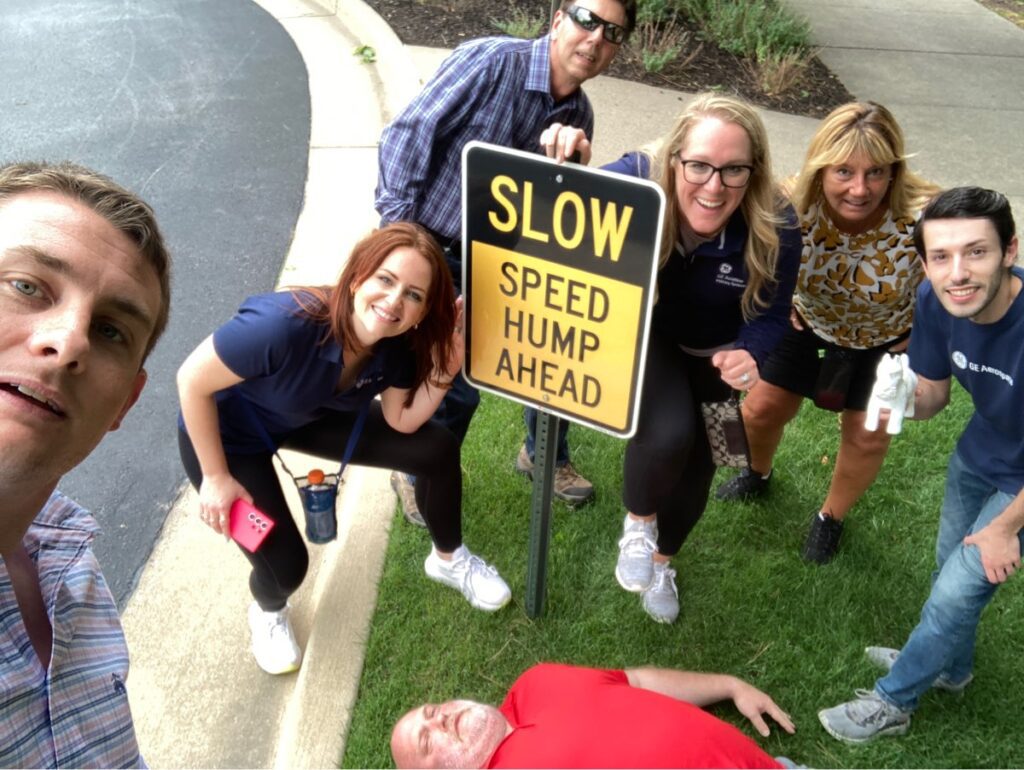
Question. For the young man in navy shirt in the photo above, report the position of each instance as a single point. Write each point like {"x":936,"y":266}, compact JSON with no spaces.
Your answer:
{"x":969,"y":324}
{"x":514,"y":93}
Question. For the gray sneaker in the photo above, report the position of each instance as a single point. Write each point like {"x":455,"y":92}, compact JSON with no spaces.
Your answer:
{"x":885,"y":657}
{"x":635,"y":567}
{"x":406,"y":491}
{"x":661,"y":599}
{"x":864,"y":719}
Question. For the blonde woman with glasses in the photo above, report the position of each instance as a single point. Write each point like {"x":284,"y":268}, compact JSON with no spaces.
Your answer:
{"x":730,"y":254}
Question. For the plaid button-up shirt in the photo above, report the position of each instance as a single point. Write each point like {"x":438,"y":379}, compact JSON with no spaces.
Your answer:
{"x":495,"y":90}
{"x":75,"y":714}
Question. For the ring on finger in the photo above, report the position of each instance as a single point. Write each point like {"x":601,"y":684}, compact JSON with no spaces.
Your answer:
{"x":745,"y":378}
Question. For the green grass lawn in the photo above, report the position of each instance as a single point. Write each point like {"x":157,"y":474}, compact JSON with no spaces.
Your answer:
{"x":750,"y":605}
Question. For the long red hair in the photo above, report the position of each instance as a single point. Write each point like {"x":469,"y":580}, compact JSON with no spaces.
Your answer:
{"x":431,"y":339}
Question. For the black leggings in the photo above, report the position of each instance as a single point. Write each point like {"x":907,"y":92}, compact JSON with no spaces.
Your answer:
{"x":431,"y":453}
{"x":668,"y":468}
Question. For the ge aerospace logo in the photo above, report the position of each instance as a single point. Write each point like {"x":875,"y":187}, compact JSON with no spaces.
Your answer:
{"x":959,"y":359}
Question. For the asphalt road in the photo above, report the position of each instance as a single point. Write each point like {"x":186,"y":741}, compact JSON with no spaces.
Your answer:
{"x":202,"y":107}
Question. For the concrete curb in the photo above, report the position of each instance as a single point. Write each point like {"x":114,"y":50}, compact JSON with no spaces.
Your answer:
{"x":394,"y":65}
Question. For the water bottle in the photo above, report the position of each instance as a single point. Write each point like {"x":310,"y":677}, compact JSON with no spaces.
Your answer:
{"x":318,"y":499}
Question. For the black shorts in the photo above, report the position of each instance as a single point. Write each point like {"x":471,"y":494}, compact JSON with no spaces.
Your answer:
{"x":835,"y":377}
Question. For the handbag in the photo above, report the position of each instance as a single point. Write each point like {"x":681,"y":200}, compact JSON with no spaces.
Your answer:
{"x":727,"y":437}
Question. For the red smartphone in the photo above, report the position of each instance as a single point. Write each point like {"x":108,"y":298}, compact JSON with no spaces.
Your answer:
{"x":249,"y":525}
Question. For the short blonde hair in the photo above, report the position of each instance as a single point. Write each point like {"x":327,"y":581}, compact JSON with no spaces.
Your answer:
{"x":868,"y":128}
{"x":761,"y":200}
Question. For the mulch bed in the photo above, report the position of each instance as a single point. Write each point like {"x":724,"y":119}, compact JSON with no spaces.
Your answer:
{"x":701,"y":66}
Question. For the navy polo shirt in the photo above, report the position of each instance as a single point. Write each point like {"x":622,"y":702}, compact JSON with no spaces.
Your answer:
{"x":290,"y":365}
{"x":988,"y":360}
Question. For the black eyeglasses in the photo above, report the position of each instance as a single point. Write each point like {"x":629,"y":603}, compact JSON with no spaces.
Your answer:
{"x":699,"y":172}
{"x":588,"y":20}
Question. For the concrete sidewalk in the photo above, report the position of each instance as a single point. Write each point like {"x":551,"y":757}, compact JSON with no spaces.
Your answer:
{"x":198,"y":697}
{"x":950,"y":70}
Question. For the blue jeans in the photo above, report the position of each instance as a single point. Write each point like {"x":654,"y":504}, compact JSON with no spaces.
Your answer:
{"x":530,"y":417}
{"x":943,"y":641}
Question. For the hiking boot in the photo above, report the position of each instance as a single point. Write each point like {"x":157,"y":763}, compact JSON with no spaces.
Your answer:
{"x":273,"y":641}
{"x":405,"y":487}
{"x":524,"y":464}
{"x":746,"y":486}
{"x":635,"y":568}
{"x":885,"y":657}
{"x":478,"y":581}
{"x":823,"y":539}
{"x":864,"y":719}
{"x":569,"y":486}
{"x":661,"y":598}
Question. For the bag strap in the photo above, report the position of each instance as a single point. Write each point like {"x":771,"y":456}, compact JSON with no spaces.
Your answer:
{"x":353,"y":437}
{"x":350,"y":445}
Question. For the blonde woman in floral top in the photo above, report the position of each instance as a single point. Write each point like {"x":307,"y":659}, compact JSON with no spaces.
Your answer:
{"x":854,"y":302}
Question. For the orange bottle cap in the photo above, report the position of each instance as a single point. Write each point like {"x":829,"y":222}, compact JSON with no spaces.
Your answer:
{"x":315,"y":476}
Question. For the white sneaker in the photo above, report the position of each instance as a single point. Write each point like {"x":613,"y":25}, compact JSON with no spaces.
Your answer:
{"x":635,"y":567}
{"x":273,"y":642}
{"x":661,"y":599}
{"x":479,"y":582}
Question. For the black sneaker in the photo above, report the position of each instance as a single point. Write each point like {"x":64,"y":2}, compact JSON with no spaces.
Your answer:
{"x":748,"y":485}
{"x":823,"y":539}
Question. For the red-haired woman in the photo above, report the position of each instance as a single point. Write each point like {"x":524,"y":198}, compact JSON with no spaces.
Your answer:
{"x":303,"y":364}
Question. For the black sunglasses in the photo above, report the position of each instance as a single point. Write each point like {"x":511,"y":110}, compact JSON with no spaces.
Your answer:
{"x":588,"y":20}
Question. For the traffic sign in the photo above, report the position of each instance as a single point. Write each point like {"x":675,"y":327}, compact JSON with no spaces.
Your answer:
{"x":559,"y":268}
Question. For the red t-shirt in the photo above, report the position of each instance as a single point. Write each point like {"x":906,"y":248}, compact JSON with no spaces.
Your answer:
{"x":565,"y":716}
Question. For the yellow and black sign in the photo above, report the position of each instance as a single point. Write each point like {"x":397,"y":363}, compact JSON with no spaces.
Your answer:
{"x":559,"y":264}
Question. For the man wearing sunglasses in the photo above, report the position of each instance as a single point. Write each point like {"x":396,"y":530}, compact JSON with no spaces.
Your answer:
{"x":523,"y":94}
